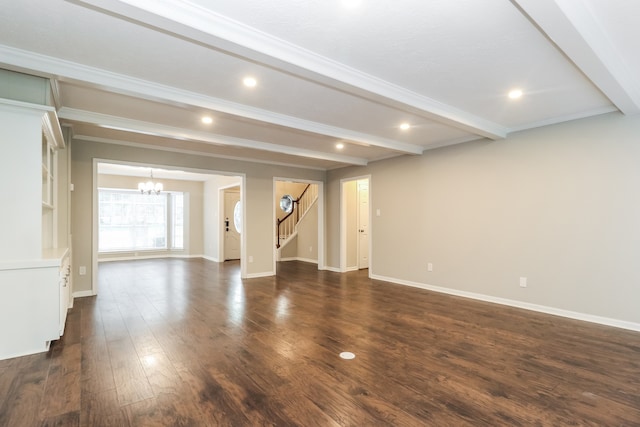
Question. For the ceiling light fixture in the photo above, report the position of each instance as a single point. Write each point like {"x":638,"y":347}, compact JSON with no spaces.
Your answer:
{"x":249,"y":82}
{"x":515,"y":94}
{"x":347,"y":355}
{"x":405,"y":126}
{"x":150,"y":187}
{"x":207,"y":120}
{"x":339,"y":145}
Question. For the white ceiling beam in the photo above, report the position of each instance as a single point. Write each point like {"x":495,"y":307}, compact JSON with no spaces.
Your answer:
{"x":154,"y":129}
{"x":89,"y":138}
{"x":220,"y":32}
{"x":578,"y":33}
{"x":77,"y":73}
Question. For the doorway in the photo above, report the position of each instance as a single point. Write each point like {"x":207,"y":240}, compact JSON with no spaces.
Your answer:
{"x":362,"y":189}
{"x":355,"y":224}
{"x":232,"y":223}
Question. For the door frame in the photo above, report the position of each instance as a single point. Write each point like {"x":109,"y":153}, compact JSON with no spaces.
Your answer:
{"x":321,"y":219}
{"x":94,"y":216}
{"x":221,"y":206}
{"x":343,"y":222}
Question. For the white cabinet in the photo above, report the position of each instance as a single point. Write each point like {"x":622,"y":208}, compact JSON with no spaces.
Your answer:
{"x":34,"y":279}
{"x":34,"y":302}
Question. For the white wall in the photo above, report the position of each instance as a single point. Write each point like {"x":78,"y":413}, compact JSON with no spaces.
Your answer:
{"x":559,"y":205}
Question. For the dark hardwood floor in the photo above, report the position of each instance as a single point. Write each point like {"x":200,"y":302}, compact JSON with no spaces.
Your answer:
{"x":187,"y":343}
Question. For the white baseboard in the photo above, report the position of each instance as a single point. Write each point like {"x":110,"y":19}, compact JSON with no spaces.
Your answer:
{"x":312,"y":261}
{"x":82,"y":294}
{"x":154,"y":256}
{"x":333,"y":269}
{"x":623,"y":324}
{"x":355,"y":268}
{"x":210,"y":258}
{"x":262,"y":274}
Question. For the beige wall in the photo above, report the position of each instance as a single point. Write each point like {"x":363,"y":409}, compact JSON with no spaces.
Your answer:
{"x":194,"y":236}
{"x":559,"y":205}
{"x":259,"y":197}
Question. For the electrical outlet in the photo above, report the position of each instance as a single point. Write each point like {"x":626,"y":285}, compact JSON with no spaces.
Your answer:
{"x":429,"y":267}
{"x":523,"y":282}
{"x":250,"y":258}
{"x":82,"y":270}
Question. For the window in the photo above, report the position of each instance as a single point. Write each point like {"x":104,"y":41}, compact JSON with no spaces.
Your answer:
{"x":177,"y":221}
{"x":237,"y":217}
{"x":130,"y":221}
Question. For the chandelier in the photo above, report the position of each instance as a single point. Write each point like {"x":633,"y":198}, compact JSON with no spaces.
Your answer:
{"x":150,"y":187}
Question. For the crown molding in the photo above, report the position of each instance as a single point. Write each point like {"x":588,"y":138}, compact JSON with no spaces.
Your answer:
{"x":154,"y":129}
{"x":72,"y":72}
{"x":218,"y":31}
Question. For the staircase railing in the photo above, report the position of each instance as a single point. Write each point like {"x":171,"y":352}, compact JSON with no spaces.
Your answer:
{"x":286,"y":226}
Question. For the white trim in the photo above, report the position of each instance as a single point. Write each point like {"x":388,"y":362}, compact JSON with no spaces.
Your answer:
{"x":94,"y":227}
{"x":210,"y":258}
{"x":518,"y":304}
{"x":257,"y":275}
{"x":141,"y":257}
{"x":354,"y":268}
{"x":332,"y":269}
{"x":82,"y":294}
{"x":223,"y":33}
{"x":164,"y":131}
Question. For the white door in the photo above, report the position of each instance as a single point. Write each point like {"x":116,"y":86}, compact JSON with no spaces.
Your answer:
{"x":232,"y":225}
{"x":363,"y":223}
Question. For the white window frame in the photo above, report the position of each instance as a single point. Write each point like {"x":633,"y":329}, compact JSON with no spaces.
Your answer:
{"x":169,"y":219}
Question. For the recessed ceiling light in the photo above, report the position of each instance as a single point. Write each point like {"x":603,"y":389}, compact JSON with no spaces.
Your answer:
{"x":339,"y":145}
{"x":405,"y":126}
{"x":207,"y":120}
{"x":515,"y":94}
{"x":250,"y":82}
{"x":347,"y":355}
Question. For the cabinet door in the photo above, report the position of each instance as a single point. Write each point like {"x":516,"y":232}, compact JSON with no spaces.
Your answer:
{"x":64,"y":296}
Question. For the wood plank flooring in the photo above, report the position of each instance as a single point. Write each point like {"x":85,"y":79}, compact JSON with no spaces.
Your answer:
{"x":187,"y":343}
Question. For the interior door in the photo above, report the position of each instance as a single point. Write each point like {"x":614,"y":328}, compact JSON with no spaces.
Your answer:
{"x":232,"y":225}
{"x":363,"y":223}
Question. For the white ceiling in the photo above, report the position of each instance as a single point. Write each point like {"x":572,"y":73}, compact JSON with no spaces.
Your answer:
{"x":143,"y":73}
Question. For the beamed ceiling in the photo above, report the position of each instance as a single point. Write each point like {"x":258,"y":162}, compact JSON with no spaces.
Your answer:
{"x":144,"y":73}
